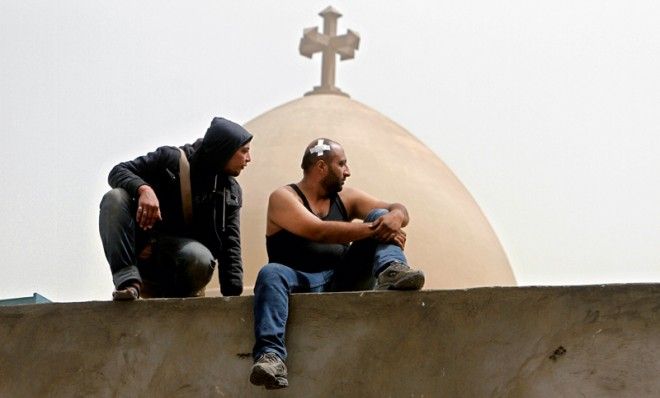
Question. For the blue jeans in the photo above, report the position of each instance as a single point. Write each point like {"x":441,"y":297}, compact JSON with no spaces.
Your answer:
{"x":177,"y":266}
{"x":358,"y":270}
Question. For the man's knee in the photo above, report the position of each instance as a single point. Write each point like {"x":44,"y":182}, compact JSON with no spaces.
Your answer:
{"x":114,"y":200}
{"x":375,"y":214}
{"x":196,"y":264}
{"x":272,"y":273}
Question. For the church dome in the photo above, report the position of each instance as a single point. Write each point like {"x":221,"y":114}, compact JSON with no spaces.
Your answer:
{"x":448,"y":236}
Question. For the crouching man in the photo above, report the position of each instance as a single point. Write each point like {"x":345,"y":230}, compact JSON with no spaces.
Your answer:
{"x":173,"y":214}
{"x":314,"y":247}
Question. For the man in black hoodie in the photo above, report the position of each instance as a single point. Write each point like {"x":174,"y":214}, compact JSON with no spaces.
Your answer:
{"x":164,"y":228}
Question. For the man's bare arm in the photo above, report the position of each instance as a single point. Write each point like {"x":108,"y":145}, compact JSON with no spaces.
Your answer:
{"x":388,"y":227}
{"x":286,"y":212}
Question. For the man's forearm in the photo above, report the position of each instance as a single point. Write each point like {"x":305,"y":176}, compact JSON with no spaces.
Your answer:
{"x":341,"y":232}
{"x":401,"y":209}
{"x":123,"y":176}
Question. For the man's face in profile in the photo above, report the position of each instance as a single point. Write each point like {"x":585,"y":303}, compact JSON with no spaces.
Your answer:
{"x":238,"y":161}
{"x":338,"y":171}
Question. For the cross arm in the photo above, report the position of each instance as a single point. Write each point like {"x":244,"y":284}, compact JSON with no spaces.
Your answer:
{"x":345,"y":45}
{"x":312,"y":42}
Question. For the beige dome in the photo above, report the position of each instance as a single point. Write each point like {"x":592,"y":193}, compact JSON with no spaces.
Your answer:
{"x":448,"y":236}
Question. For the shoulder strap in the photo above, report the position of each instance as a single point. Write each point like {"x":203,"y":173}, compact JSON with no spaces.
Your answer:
{"x":186,"y":193}
{"x":342,"y":208}
{"x":302,"y":196}
{"x":336,"y":199}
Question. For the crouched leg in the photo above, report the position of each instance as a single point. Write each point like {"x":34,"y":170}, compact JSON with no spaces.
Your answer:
{"x":179,"y":267}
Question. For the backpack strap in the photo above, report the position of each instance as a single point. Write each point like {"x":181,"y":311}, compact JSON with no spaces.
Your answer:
{"x":186,"y":193}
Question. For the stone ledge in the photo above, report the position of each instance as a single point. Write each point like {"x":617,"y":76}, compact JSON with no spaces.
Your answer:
{"x":509,"y":341}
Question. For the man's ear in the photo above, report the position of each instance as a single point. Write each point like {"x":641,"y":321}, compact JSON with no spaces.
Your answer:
{"x":322,"y":165}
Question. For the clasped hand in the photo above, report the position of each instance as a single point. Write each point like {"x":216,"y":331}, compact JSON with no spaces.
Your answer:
{"x":387,"y":229}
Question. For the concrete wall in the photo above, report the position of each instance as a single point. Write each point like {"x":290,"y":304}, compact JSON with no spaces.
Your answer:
{"x":590,"y":341}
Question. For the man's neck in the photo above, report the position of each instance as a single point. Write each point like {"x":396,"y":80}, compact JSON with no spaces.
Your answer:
{"x":313,"y":190}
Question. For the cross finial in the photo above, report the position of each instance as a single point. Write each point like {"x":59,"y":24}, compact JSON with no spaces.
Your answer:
{"x":329,"y":44}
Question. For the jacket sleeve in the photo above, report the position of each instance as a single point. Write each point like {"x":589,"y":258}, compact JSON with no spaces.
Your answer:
{"x":231,"y":263}
{"x":130,"y":175}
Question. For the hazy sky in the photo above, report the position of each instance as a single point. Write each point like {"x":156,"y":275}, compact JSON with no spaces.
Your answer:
{"x":547,"y":111}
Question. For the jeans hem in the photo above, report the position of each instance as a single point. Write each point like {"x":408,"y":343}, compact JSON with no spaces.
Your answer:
{"x":125,"y":274}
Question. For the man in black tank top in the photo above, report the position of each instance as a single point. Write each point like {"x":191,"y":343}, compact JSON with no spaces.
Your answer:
{"x":314,"y":247}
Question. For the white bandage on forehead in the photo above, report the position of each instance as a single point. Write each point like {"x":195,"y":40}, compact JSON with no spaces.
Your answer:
{"x":319,"y":148}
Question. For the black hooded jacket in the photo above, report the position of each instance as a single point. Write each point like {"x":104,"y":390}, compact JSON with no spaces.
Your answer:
{"x":216,"y":197}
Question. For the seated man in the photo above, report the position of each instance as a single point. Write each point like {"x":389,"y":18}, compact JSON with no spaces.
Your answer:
{"x":308,"y":239}
{"x":173,"y":214}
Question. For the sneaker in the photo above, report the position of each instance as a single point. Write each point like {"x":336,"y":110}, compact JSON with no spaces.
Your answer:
{"x":269,"y":371}
{"x":399,"y":276}
{"x":129,"y":293}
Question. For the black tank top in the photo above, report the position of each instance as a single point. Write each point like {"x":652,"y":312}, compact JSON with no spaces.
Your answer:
{"x":302,"y":254}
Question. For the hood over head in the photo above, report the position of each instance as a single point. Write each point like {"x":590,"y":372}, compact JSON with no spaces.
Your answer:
{"x":221,"y":141}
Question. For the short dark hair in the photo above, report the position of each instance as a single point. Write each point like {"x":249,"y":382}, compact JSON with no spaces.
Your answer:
{"x":311,"y":156}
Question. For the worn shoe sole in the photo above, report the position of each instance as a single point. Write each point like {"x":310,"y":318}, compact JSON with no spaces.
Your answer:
{"x":261,"y":377}
{"x":413,"y":281}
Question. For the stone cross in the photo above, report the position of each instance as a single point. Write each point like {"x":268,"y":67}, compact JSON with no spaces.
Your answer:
{"x":329,"y":44}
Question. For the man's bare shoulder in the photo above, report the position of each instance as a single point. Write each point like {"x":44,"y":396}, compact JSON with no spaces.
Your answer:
{"x":282,"y":194}
{"x":359,"y":203}
{"x":349,"y":194}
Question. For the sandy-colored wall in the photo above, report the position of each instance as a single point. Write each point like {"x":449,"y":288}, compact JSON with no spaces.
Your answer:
{"x":449,"y":237}
{"x":515,"y":342}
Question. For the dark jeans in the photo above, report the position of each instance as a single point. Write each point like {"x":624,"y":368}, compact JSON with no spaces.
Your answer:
{"x":362,"y":263}
{"x":177,"y":267}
